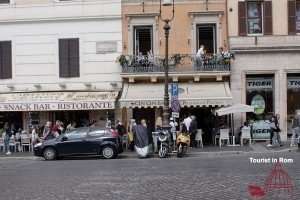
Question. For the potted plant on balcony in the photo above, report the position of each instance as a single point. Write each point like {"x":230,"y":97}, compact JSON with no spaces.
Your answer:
{"x":123,"y":60}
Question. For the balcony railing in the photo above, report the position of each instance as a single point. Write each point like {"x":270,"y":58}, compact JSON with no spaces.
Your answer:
{"x":177,"y":63}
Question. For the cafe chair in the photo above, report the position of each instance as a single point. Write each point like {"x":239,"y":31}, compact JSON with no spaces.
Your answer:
{"x":246,"y":135}
{"x":25,"y":141}
{"x":198,"y":138}
{"x":224,"y":135}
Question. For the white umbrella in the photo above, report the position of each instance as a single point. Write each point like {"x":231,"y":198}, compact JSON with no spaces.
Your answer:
{"x":237,"y":108}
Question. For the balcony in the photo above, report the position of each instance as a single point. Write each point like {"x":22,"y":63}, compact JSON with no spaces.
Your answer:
{"x":178,"y":63}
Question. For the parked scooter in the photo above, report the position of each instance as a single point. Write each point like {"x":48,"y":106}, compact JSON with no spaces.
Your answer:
{"x":183,"y":142}
{"x":164,"y":143}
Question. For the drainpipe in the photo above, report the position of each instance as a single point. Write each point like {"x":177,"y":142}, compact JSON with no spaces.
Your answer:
{"x":227,"y":25}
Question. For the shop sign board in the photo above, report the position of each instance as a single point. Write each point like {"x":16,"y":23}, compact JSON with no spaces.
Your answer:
{"x":57,"y":101}
{"x":6,"y":107}
{"x":261,"y":130}
{"x":293,"y":83}
{"x":259,"y":83}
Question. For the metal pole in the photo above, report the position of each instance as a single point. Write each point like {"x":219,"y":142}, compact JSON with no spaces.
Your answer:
{"x":166,"y":110}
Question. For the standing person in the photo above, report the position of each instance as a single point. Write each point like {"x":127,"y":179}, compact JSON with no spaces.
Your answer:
{"x":173,"y":125}
{"x":296,"y":128}
{"x":47,"y":132}
{"x":8,"y":133}
{"x":71,"y":126}
{"x":275,"y":130}
{"x":141,"y":139}
{"x":121,"y":128}
{"x":130,"y":134}
{"x":34,"y":135}
{"x":193,"y":130}
{"x":187,"y":122}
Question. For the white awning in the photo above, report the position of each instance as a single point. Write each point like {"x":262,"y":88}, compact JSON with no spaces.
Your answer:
{"x":238,"y":108}
{"x":190,"y":94}
{"x":47,"y":101}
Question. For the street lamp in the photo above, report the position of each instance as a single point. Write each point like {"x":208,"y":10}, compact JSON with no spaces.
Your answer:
{"x":166,"y":110}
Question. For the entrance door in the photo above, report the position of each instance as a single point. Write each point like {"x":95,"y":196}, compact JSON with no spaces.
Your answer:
{"x":206,"y":121}
{"x":206,"y":35}
{"x":145,"y":113}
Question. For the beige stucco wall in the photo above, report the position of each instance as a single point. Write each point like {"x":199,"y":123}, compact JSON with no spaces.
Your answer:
{"x":279,"y":11}
{"x":182,"y":27}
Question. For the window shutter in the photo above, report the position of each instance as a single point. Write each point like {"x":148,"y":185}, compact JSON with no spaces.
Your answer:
{"x":63,"y":58}
{"x":5,"y":57}
{"x":4,"y":1}
{"x":74,"y":57}
{"x":292,"y":17}
{"x":268,"y":26}
{"x":242,"y":18}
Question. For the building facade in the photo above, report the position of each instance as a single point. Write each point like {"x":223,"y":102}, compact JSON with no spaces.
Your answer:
{"x":202,"y":82}
{"x":265,"y":38}
{"x":57,"y":60}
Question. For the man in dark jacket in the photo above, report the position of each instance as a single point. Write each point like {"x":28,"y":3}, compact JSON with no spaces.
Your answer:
{"x":8,"y":134}
{"x":193,"y":130}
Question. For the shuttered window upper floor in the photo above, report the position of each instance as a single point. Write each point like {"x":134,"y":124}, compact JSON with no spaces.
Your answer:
{"x":5,"y":60}
{"x":255,"y":17}
{"x":263,"y":17}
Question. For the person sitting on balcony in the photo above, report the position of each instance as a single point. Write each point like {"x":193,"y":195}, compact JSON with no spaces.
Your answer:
{"x":200,"y":55}
{"x":150,"y":57}
{"x":220,"y":55}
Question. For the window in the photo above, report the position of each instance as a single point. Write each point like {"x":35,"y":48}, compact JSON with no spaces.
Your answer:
{"x":69,"y":58}
{"x":5,"y":60}
{"x":298,"y":16}
{"x":143,"y":40}
{"x":254,"y":17}
{"x":4,"y":1}
{"x":206,"y":35}
{"x":97,"y":133}
{"x":77,"y":134}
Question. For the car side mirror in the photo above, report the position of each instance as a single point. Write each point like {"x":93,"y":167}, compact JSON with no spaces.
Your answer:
{"x":64,"y":138}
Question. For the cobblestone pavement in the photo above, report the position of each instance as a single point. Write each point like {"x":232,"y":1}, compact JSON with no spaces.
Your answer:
{"x":212,"y":177}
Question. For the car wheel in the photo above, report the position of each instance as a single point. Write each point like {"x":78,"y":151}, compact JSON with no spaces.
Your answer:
{"x":49,"y":153}
{"x":108,"y":152}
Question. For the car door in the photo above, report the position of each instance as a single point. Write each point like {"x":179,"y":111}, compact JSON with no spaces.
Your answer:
{"x":73,"y":143}
{"x":94,"y":138}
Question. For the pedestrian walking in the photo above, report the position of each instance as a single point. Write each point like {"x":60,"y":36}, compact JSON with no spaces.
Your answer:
{"x":141,"y":139}
{"x":275,"y":131}
{"x":296,"y":128}
{"x":8,"y":133}
{"x":187,"y":122}
{"x":193,"y":130}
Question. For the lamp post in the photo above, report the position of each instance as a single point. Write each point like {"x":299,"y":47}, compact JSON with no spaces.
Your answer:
{"x":166,"y":109}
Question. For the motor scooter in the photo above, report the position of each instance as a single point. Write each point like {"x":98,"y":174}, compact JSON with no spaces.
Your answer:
{"x":164,"y":143}
{"x":182,"y":142}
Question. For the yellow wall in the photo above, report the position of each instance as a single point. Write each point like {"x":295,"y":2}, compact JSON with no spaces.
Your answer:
{"x":181,"y":26}
{"x":279,"y":12}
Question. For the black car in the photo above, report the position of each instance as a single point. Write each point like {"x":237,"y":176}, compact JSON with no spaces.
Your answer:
{"x":79,"y":142}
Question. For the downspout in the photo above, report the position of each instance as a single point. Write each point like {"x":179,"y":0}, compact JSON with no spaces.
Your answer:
{"x":227,"y":25}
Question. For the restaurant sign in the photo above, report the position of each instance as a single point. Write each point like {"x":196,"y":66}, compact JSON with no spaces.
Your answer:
{"x":57,"y":101}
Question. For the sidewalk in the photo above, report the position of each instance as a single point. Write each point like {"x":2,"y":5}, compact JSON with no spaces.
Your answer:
{"x":257,"y":147}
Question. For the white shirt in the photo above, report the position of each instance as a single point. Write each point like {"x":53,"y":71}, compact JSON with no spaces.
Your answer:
{"x":187,"y":122}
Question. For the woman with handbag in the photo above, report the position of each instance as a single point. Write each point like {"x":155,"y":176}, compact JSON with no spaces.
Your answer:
{"x":275,"y":131}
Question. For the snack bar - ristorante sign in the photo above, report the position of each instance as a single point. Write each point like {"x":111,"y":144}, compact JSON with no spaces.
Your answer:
{"x":57,"y":101}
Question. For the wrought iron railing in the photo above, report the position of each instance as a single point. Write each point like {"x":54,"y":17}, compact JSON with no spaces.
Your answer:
{"x":177,"y":63}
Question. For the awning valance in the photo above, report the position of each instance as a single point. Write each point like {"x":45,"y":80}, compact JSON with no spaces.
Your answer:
{"x":190,"y":94}
{"x":47,"y":101}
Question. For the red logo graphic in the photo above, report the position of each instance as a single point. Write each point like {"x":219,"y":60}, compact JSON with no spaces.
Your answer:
{"x":278,"y":180}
